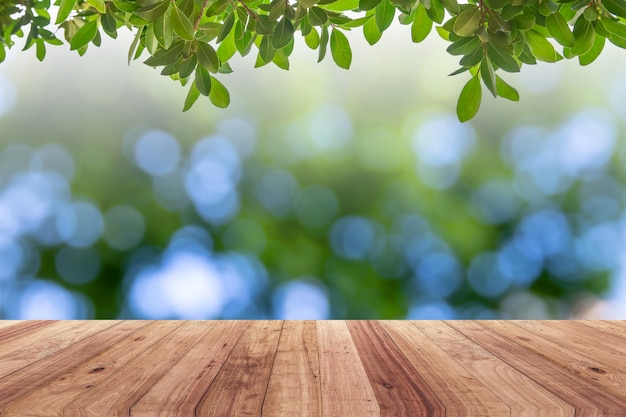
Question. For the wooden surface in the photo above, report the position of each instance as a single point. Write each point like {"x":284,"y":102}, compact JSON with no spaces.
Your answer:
{"x":312,"y":368}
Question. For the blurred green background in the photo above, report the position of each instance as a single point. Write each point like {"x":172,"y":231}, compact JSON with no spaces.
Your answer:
{"x":320,"y":193}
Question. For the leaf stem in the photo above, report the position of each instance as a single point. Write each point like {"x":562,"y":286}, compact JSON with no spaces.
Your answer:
{"x":197,"y":22}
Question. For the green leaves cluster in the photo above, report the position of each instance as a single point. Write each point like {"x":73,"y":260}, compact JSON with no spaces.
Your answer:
{"x":192,"y":41}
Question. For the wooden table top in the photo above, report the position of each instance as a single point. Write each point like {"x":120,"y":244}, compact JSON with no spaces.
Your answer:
{"x":312,"y":368}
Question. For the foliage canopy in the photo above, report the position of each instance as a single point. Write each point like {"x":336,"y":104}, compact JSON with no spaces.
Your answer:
{"x":193,"y":40}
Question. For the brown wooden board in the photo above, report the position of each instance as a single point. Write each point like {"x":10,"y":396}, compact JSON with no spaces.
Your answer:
{"x":312,"y":368}
{"x":239,"y":388}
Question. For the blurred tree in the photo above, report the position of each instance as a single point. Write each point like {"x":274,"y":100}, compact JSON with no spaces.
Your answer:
{"x":194,"y":39}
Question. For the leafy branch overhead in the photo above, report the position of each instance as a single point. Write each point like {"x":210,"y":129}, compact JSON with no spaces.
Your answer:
{"x":193,"y":40}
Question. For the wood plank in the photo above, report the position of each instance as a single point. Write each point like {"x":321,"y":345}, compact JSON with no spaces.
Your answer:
{"x":49,"y":400}
{"x":181,"y":389}
{"x":582,"y":339}
{"x":592,"y":367}
{"x":12,"y":330}
{"x":610,"y":327}
{"x":461,"y":393}
{"x":294,"y":386}
{"x":495,"y":374}
{"x":240,"y":386}
{"x":619,"y":323}
{"x":114,"y":396}
{"x":398,"y":386}
{"x":36,"y":345}
{"x":346,"y":390}
{"x":588,"y":399}
{"x":26,"y":379}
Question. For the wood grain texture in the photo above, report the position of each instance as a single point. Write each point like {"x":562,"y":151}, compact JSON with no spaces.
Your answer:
{"x":588,"y":399}
{"x":346,"y":391}
{"x":312,"y":369}
{"x":114,"y":396}
{"x":496,"y":374}
{"x":592,"y":366}
{"x":294,"y":386}
{"x":180,"y":390}
{"x":463,"y":395}
{"x":239,"y":388}
{"x":399,"y":388}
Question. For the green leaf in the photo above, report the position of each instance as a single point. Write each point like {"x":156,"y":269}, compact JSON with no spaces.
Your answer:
{"x":489,"y":76}
{"x":226,"y":27}
{"x":312,"y":40}
{"x":469,"y":100}
{"x":219,"y":95}
{"x":227,"y":48}
{"x":150,"y":13}
{"x":133,"y":45}
{"x":3,"y":53}
{"x":467,"y":22}
{"x":163,"y":30}
{"x":281,"y":60}
{"x":472,"y":58}
{"x":436,"y":12}
{"x":166,"y":57}
{"x":307,"y":3}
{"x":207,"y":57}
{"x":283,"y":34}
{"x":464,"y":46}
{"x":385,"y":12}
{"x":84,"y":35}
{"x":192,"y":97}
{"x":150,"y":40}
{"x":203,"y":80}
{"x":371,"y":32}
{"x":317,"y":16}
{"x":266,"y":51}
{"x":368,"y":4}
{"x":263,"y":26}
{"x":452,"y":6}
{"x":540,"y":47}
{"x":505,"y":90}
{"x":340,"y":49}
{"x":593,"y":53}
{"x":40,"y":49}
{"x":65,"y":8}
{"x":98,"y":5}
{"x":613,"y":27}
{"x":502,"y":58}
{"x":617,"y":7}
{"x":585,"y":37}
{"x":559,"y":29}
{"x":323,"y":43}
{"x":422,"y":25}
{"x":187,"y":66}
{"x":277,"y":10}
{"x":181,"y":24}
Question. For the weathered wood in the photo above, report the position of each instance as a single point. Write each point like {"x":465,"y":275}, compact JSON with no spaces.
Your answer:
{"x":609,"y":327}
{"x":496,"y":374}
{"x":312,"y":368}
{"x":43,"y":342}
{"x":239,"y":388}
{"x":588,"y":399}
{"x":294,"y":386}
{"x":180,"y":390}
{"x":11,"y":330}
{"x":399,"y":388}
{"x":49,"y":400}
{"x":30,"y":377}
{"x":114,"y":396}
{"x":462,"y":394}
{"x":592,"y":366}
{"x":346,"y":391}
